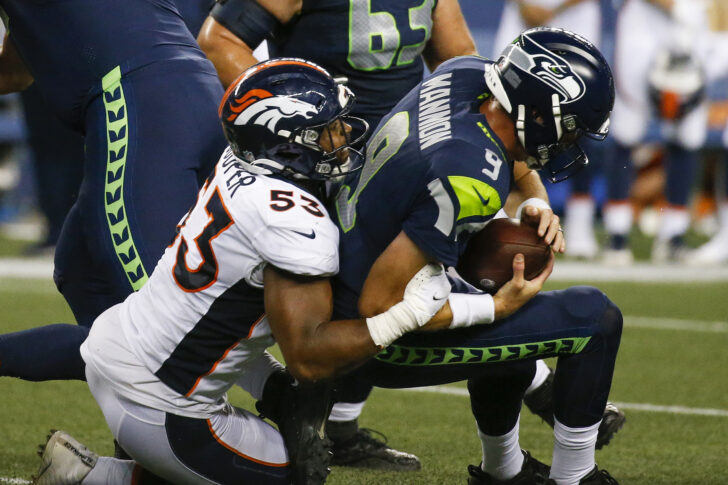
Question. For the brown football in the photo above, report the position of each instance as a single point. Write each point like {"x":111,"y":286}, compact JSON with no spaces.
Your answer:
{"x":487,"y":262}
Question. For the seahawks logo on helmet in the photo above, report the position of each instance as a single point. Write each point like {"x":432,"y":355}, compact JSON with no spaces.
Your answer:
{"x":550,"y":69}
{"x":260,"y":107}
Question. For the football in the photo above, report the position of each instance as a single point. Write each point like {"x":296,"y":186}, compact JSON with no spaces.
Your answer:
{"x":487,"y":262}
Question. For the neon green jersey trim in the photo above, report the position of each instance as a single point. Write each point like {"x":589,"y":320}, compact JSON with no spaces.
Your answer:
{"x":428,"y":356}
{"x":117,"y":142}
{"x":476,"y":198}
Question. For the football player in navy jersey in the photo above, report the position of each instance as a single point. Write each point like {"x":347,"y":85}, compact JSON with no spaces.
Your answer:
{"x":130,"y":77}
{"x":381,"y":51}
{"x":454,"y":138}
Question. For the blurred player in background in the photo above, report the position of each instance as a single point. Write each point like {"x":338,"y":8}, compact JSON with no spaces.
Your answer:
{"x":129,"y":77}
{"x":715,"y":251}
{"x":659,"y":73}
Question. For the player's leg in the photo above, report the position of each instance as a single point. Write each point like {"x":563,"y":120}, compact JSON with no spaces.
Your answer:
{"x":52,"y":351}
{"x":230,"y":447}
{"x":497,"y":418}
{"x":580,"y":208}
{"x":682,"y":157}
{"x":579,"y":324}
{"x":715,"y":251}
{"x":147,"y":152}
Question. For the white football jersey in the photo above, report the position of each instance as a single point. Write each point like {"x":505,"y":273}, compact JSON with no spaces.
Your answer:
{"x":200,"y":317}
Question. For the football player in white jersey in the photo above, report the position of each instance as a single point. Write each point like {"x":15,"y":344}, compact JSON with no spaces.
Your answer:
{"x":248,"y":268}
{"x":660,"y":62}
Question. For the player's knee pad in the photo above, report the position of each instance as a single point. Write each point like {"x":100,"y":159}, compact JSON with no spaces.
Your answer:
{"x":610,"y":324}
{"x":584,"y":303}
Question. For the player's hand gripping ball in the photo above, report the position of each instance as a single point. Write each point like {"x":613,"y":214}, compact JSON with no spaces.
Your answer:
{"x":487,"y":262}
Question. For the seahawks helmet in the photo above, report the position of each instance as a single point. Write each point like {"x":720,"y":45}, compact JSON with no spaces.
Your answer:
{"x":556,"y":87}
{"x":275,"y":116}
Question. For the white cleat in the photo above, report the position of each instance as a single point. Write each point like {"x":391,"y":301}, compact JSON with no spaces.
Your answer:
{"x":670,"y":251}
{"x":714,"y":251}
{"x":64,"y":461}
{"x":617,"y":257}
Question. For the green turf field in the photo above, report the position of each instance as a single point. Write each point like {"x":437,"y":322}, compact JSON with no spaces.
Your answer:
{"x":685,"y":366}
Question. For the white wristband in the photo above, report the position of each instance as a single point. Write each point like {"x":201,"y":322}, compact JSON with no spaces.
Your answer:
{"x":471,"y":309}
{"x":534,"y":201}
{"x":387,"y":327}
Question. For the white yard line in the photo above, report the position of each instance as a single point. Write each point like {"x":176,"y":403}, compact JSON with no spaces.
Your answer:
{"x":653,"y":408}
{"x":14,"y":480}
{"x":675,"y":324}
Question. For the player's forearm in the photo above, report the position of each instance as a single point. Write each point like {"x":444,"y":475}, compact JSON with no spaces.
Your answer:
{"x":530,"y":185}
{"x":329,"y":350}
{"x":230,"y":55}
{"x":450,"y":35}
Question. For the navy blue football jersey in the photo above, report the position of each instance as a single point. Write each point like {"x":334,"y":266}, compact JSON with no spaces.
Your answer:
{"x":69,"y":45}
{"x":376,"y":44}
{"x":433,"y":169}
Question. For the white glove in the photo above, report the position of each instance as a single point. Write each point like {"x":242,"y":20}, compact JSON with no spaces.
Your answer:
{"x":424,"y":295}
{"x":427,"y":292}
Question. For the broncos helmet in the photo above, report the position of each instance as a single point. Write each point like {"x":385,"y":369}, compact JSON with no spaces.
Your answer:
{"x":676,"y":83}
{"x":275,"y":116}
{"x":556,"y":87}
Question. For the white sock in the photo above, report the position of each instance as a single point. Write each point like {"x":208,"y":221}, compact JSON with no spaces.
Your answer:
{"x":502,"y":455}
{"x":573,"y":453}
{"x":618,"y":218}
{"x":723,"y":215}
{"x":346,"y":411}
{"x":542,"y":372}
{"x":673,"y":222}
{"x":579,"y":213}
{"x":110,"y":471}
{"x":256,"y":374}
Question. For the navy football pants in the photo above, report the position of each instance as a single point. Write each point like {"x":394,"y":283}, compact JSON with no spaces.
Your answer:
{"x":580,"y":325}
{"x":152,"y":137}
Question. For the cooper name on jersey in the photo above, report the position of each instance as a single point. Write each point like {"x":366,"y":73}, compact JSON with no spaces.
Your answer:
{"x":236,"y":175}
{"x":434,"y":111}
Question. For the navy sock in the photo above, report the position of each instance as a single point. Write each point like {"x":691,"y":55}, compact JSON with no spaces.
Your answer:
{"x":680,"y":174}
{"x":44,"y":353}
{"x":619,"y":172}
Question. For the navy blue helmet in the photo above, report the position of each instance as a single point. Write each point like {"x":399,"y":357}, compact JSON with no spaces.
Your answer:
{"x":275,"y":117}
{"x":557,"y":87}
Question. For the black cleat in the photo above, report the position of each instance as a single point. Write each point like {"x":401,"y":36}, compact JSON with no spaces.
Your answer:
{"x":612,"y":421}
{"x":300,"y":412}
{"x":533,"y":472}
{"x":540,"y":402}
{"x":594,"y":477}
{"x":362,"y":450}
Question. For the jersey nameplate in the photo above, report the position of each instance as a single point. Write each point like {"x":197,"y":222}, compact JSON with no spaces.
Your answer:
{"x":434,"y":111}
